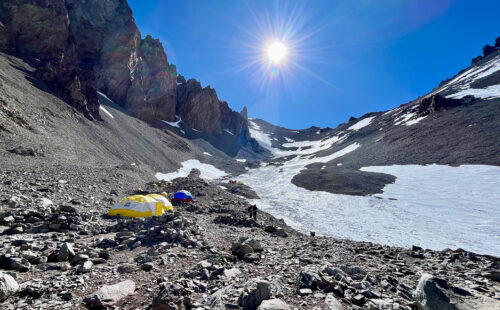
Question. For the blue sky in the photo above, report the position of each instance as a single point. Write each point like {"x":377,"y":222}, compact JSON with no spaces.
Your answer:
{"x":346,"y":58}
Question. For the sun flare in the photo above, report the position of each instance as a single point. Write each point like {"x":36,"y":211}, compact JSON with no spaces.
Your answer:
{"x":276,"y":52}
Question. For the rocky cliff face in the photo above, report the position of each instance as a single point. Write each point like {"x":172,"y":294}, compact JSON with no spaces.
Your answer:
{"x":82,"y":46}
{"x":40,"y":30}
{"x":201,"y":109}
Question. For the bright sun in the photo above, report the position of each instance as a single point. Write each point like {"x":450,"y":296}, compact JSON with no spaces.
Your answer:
{"x":276,"y":52}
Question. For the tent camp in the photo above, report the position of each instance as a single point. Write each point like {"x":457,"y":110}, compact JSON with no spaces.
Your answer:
{"x":182,"y":196}
{"x":141,"y":206}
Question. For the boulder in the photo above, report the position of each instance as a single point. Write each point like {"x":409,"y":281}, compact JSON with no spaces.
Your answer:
{"x":109,"y":295}
{"x":273,"y":304}
{"x":308,"y":278}
{"x":254,"y":293}
{"x":8,"y":286}
{"x":332,"y":303}
{"x":66,"y":252}
{"x":436,"y":294}
{"x":168,"y":297}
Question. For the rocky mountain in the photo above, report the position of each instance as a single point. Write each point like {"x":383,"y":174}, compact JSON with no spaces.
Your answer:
{"x":81,"y":47}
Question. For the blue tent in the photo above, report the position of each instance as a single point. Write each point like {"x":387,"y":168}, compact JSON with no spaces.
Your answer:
{"x":182,"y":196}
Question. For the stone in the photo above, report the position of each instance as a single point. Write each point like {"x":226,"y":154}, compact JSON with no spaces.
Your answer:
{"x":67,"y":208}
{"x":147,"y":266}
{"x":332,"y":303}
{"x":66,"y":252}
{"x":305,"y":291}
{"x":168,"y":297}
{"x":44,"y":203}
{"x":86,"y":267}
{"x":126,"y":268}
{"x":8,"y":286}
{"x":254,"y":293}
{"x":231,"y":273}
{"x":436,"y":294}
{"x":109,"y":295}
{"x":273,"y":304}
{"x":308,"y":278}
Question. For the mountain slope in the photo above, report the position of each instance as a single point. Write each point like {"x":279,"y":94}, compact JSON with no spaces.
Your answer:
{"x":34,"y":122}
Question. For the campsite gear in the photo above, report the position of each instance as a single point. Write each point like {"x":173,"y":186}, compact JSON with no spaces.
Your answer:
{"x":167,"y":206}
{"x":140,"y":206}
{"x":183,"y":196}
{"x":252,"y":211}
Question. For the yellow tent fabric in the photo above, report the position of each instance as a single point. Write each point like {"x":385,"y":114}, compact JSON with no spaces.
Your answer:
{"x":167,"y":206}
{"x":138,"y":206}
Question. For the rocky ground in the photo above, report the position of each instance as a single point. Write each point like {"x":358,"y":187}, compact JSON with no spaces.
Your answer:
{"x":59,"y":250}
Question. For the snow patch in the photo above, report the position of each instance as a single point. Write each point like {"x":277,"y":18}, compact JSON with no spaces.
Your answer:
{"x":174,"y":124}
{"x":104,"y":95}
{"x":415,"y":121}
{"x":229,"y":132}
{"x":362,"y":123}
{"x":437,"y":207}
{"x":206,"y":153}
{"x":489,"y":92}
{"x":105,"y":111}
{"x":241,"y":160}
{"x":208,"y":172}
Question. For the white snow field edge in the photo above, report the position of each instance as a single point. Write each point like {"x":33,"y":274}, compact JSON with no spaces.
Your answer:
{"x":208,"y":172}
{"x":362,"y":123}
{"x":437,"y":206}
{"x":105,"y":111}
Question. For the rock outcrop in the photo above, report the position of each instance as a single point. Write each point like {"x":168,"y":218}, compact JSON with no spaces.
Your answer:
{"x":80,"y":47}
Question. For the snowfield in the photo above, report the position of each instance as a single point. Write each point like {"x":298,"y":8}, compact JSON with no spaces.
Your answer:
{"x":437,"y":207}
{"x":462,"y":83}
{"x":434,"y":206}
{"x":208,"y":172}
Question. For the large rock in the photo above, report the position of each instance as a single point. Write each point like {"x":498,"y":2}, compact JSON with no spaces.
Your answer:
{"x":273,"y":304}
{"x":308,"y":278}
{"x":436,"y":294}
{"x":169,"y":297}
{"x":254,"y":293}
{"x":8,"y":286}
{"x":110,"y":294}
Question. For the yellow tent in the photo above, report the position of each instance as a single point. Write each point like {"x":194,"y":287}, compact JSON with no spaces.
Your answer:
{"x":141,"y":206}
{"x":167,"y":206}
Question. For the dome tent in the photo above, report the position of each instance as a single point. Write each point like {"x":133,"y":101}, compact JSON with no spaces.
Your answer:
{"x":141,"y":206}
{"x":183,"y":196}
{"x":167,"y":206}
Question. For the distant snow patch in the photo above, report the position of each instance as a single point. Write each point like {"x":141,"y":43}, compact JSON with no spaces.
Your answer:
{"x":208,"y":172}
{"x":362,"y":123}
{"x":174,"y":124}
{"x":288,"y":139}
{"x":258,"y":134}
{"x":403,"y":118}
{"x":415,"y":121}
{"x":241,"y":160}
{"x":104,"y":95}
{"x":489,"y":92}
{"x":105,"y":111}
{"x":229,"y":132}
{"x":206,"y":153}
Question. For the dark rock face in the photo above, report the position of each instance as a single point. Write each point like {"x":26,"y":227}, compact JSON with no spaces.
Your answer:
{"x":81,"y":46}
{"x":201,"y":109}
{"x":41,"y":30}
{"x":437,"y":102}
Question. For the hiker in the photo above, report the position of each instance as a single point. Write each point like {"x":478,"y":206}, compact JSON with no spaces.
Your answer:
{"x":252,"y":211}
